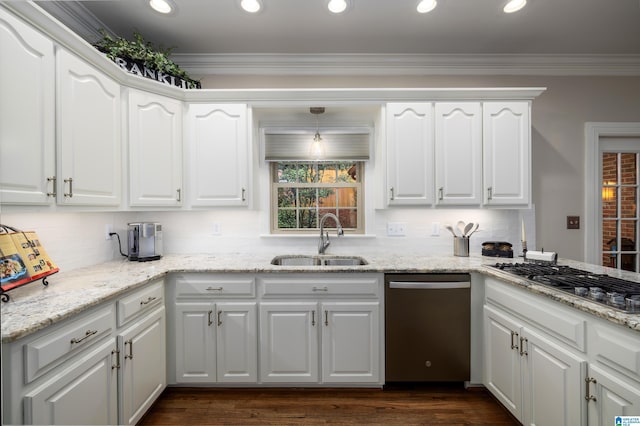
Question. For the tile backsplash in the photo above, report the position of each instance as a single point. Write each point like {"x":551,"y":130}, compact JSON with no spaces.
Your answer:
{"x":74,"y":240}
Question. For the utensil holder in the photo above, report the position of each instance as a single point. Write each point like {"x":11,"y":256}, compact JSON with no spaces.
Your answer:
{"x":461,"y":246}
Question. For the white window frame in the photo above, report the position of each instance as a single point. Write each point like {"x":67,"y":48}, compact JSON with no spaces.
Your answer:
{"x":594,"y":132}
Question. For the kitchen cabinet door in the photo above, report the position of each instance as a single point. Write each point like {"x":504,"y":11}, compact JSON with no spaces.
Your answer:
{"x":83,"y":394}
{"x":155,"y":150}
{"x":237,"y":342}
{"x":458,"y":153}
{"x":610,"y":397}
{"x":502,"y":370}
{"x":553,"y":383}
{"x":218,"y":144}
{"x":507,"y":153}
{"x":89,"y":134}
{"x":350,"y":342}
{"x":27,"y":114}
{"x":289,"y":342}
{"x":409,"y":153}
{"x":195,"y":342}
{"x":143,"y":366}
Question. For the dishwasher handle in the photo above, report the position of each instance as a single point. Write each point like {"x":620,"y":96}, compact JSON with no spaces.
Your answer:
{"x":429,"y":285}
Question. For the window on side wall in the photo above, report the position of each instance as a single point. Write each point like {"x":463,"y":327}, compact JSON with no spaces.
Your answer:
{"x":303,"y":191}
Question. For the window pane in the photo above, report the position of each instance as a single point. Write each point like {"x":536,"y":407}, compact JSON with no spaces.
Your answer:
{"x":327,"y":173}
{"x":286,"y":197}
{"x":628,"y":168}
{"x":347,"y":197}
{"x":287,"y":172}
{"x":329,"y":222}
{"x":327,"y":197}
{"x":308,"y":173}
{"x":628,"y":262}
{"x":609,"y":259}
{"x":609,"y":235}
{"x":628,"y":235}
{"x":287,"y":219}
{"x":628,"y":201}
{"x":609,"y":202}
{"x":347,"y":172}
{"x":307,"y":197}
{"x":308,"y":218}
{"x":348,"y":218}
{"x":609,"y":168}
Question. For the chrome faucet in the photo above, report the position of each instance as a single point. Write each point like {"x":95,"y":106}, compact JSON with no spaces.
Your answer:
{"x":324,"y":236}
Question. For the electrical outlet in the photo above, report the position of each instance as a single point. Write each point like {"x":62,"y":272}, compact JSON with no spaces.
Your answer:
{"x":216,"y":229}
{"x":396,"y":229}
{"x":435,"y":229}
{"x":108,"y":229}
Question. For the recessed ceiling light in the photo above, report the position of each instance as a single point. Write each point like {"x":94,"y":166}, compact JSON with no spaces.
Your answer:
{"x":337,"y":6}
{"x":162,"y":6}
{"x":251,"y":6}
{"x":426,"y":6}
{"x":514,"y":6}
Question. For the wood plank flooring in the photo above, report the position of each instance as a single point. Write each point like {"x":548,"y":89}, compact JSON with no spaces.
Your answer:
{"x":441,"y":404}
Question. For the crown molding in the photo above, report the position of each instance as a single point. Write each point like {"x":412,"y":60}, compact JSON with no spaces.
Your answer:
{"x":405,"y":64}
{"x":84,"y":24}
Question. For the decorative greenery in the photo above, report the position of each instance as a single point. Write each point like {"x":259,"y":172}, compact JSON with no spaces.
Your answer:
{"x":139,"y":49}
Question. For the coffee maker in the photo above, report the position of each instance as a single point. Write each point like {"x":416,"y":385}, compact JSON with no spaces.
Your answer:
{"x":145,"y":241}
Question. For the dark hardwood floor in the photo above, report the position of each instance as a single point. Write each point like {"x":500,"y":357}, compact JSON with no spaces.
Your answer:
{"x":441,"y":404}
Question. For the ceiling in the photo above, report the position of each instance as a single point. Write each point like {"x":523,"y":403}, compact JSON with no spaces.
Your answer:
{"x":381,"y":26}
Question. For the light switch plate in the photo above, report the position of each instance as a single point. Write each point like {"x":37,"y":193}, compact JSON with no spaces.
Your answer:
{"x":396,"y":229}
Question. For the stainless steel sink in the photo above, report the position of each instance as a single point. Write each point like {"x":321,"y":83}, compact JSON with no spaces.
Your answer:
{"x":319,"y":260}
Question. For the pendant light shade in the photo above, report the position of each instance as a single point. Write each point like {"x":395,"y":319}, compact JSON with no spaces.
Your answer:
{"x":426,"y":6}
{"x":337,"y":6}
{"x":514,"y":6}
{"x":251,"y":6}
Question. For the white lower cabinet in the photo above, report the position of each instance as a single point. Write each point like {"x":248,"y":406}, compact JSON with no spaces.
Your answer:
{"x":346,"y":333}
{"x":216,"y":342}
{"x":538,"y":381}
{"x":84,"y":393}
{"x":610,"y":396}
{"x":142,"y":366}
{"x":215,"y":330}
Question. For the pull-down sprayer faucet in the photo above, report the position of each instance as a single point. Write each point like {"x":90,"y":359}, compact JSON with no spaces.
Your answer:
{"x":324,"y":237}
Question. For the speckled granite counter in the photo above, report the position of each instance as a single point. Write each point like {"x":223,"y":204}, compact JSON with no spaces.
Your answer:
{"x":34,"y":307}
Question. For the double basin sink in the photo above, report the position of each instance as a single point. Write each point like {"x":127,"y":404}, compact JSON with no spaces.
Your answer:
{"x":318,"y":260}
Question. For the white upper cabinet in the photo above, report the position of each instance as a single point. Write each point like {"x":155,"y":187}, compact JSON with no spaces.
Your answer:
{"x":409,"y":153}
{"x":507,"y":148}
{"x":89,"y":134}
{"x":458,"y":153}
{"x":217,"y":139}
{"x":155,"y":150}
{"x":27,"y":114}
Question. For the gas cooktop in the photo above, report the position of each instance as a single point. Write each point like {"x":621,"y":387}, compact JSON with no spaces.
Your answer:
{"x":601,"y":288}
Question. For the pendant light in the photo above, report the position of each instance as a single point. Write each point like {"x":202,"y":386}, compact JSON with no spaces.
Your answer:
{"x":162,"y":6}
{"x":316,"y":150}
{"x":337,"y":6}
{"x":251,"y":6}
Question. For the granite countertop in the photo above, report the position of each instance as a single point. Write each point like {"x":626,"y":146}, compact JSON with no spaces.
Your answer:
{"x":34,"y":306}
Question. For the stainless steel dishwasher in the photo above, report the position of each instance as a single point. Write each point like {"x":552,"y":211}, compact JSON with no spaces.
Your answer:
{"x":427,"y":327}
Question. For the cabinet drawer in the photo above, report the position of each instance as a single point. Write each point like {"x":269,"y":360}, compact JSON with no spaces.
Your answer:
{"x":305,"y":286}
{"x":141,"y":301}
{"x":555,"y":320}
{"x":617,"y":348}
{"x":44,"y":353}
{"x":215,"y":286}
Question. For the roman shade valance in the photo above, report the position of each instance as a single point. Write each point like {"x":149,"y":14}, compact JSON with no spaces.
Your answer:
{"x":337,"y":145}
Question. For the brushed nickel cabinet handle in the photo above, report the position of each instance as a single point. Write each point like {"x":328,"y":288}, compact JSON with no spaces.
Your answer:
{"x":117,"y":354}
{"x":70,"y":193}
{"x":146,"y":302}
{"x":244,"y":192}
{"x":219,"y":319}
{"x":392,"y":195}
{"x":179,"y":198}
{"x":326,"y":318}
{"x":514,"y":346}
{"x":441,"y":193}
{"x":587,"y":394}
{"x":214,"y":288}
{"x":489,"y":193}
{"x":209,"y":318}
{"x":130,"y":342}
{"x":325,"y":288}
{"x":87,"y":334}
{"x":313,"y":318}
{"x":55,"y":191}
{"x":523,"y":351}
